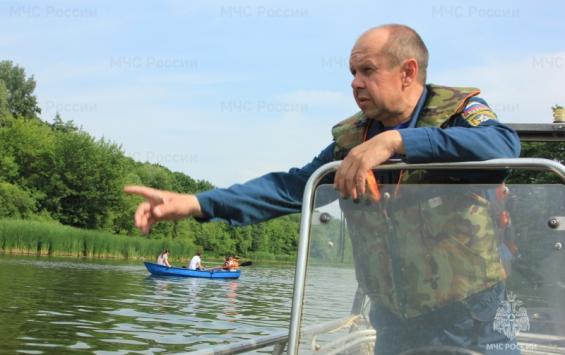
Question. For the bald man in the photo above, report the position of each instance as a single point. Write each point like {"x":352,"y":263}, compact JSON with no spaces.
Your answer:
{"x":400,"y":117}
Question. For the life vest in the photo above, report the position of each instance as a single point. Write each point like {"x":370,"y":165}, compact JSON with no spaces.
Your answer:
{"x":414,"y":255}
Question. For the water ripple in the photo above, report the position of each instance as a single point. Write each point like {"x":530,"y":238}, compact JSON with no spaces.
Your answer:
{"x":63,"y":306}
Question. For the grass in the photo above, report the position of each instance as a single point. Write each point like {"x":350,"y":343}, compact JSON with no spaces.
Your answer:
{"x":41,"y":238}
{"x":30,"y":237}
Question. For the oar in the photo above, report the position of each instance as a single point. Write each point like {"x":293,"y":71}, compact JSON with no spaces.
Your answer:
{"x":246,"y":263}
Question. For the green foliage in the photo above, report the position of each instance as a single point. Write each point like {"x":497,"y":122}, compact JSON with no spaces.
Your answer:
{"x":27,"y":148}
{"x":63,"y":126}
{"x":8,"y":165}
{"x":15,"y":202}
{"x":5,"y":113}
{"x":52,"y":239}
{"x":21,"y":100}
{"x":89,"y":171}
{"x":548,"y":150}
{"x":57,"y":174}
{"x":60,"y":173}
{"x":155,"y":176}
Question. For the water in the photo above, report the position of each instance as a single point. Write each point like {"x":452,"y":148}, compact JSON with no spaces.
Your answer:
{"x":53,"y":306}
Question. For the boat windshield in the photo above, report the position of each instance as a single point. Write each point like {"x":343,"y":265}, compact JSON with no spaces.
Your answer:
{"x":424,"y":249}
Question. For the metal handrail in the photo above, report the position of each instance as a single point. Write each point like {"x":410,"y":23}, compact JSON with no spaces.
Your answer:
{"x":277,"y":338}
{"x":308,"y":206}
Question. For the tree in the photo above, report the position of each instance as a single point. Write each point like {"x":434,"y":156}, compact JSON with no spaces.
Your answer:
{"x":63,"y":126}
{"x":548,"y":150}
{"x":21,"y":100}
{"x":155,"y":176}
{"x":123,"y":211}
{"x":91,"y":172}
{"x":15,"y":202}
{"x":27,"y":149}
{"x":4,"y":107}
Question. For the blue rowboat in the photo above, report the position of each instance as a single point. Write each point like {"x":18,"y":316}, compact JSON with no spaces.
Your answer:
{"x":156,"y":269}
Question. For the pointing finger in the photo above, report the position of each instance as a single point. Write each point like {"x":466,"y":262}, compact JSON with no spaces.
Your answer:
{"x":150,"y":194}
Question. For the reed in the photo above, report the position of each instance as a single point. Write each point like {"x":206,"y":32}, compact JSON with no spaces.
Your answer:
{"x":44,"y":238}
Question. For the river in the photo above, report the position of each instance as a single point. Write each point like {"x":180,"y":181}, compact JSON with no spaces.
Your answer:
{"x":66,"y":305}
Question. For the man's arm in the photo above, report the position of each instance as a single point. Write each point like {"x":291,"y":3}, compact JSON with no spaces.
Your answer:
{"x":264,"y":198}
{"x":473,"y":135}
{"x":461,"y":142}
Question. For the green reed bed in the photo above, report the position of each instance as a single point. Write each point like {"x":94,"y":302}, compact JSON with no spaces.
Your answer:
{"x":33,"y":237}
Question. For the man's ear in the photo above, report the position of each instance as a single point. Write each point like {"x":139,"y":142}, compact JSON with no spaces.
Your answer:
{"x":409,"y":72}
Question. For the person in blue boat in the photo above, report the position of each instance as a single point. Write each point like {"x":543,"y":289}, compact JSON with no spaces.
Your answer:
{"x":401,"y":117}
{"x":196,"y":262}
{"x":163,"y":258}
{"x":231,"y":264}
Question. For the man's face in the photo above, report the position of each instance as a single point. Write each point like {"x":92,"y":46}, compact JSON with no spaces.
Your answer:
{"x":377,"y":87}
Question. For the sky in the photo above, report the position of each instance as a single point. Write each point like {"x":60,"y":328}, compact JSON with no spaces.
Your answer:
{"x":226,"y":91}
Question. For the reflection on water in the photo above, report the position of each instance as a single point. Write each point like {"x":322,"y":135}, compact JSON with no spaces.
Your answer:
{"x":52,"y":306}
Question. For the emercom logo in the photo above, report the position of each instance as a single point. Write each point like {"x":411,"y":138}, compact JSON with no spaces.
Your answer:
{"x":511,"y":318}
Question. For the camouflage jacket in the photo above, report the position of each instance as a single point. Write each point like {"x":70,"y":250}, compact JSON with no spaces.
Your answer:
{"x":414,"y":255}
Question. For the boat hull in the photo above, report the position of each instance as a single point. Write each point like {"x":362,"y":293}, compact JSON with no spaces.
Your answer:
{"x":156,"y":269}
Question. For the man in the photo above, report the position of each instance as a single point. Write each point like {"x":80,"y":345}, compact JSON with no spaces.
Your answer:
{"x":195,"y":262}
{"x":401,"y":117}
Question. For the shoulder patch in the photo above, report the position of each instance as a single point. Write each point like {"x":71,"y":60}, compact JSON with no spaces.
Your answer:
{"x":476,"y":113}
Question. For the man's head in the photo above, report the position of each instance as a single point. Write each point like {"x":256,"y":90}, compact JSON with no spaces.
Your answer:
{"x":388,"y":64}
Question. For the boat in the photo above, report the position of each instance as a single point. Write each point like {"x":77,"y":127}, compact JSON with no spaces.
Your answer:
{"x":162,"y":270}
{"x":532,"y":247}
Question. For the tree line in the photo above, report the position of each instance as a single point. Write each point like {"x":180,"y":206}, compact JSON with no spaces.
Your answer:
{"x":58,"y":173}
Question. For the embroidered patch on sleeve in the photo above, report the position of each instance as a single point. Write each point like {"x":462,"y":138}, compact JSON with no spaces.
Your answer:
{"x":476,"y":113}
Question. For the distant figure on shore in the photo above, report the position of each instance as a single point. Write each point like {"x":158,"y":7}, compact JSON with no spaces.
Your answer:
{"x":163,"y":258}
{"x":195,"y":262}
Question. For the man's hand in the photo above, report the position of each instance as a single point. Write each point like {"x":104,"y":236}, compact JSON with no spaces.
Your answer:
{"x":162,"y":205}
{"x":351,"y":176}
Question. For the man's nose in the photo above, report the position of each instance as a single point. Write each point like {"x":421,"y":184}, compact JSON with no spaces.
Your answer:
{"x":357,"y":82}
